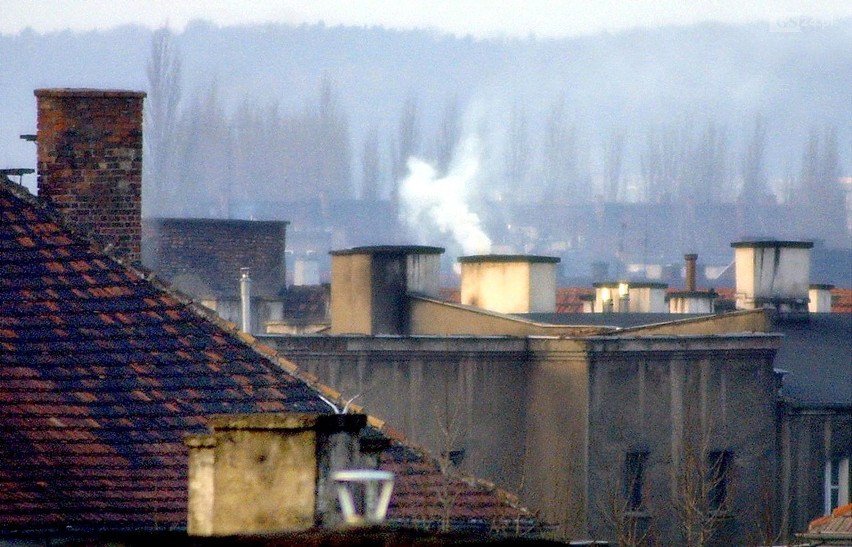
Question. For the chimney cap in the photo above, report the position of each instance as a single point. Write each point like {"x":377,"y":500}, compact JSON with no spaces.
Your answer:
{"x":535,"y":259}
{"x":89,"y":92}
{"x":772,"y":243}
{"x":821,"y":286}
{"x":631,"y":284}
{"x":390,"y":250}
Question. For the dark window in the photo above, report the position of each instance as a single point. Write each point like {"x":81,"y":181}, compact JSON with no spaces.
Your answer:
{"x":634,"y":479}
{"x":718,"y":475}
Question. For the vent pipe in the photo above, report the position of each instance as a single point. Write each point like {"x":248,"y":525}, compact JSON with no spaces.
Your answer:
{"x":690,"y":271}
{"x":245,"y":300}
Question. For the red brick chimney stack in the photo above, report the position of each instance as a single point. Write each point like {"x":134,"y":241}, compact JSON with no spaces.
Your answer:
{"x":90,"y":162}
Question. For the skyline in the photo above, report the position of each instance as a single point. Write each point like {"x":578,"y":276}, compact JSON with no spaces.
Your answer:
{"x":478,"y":18}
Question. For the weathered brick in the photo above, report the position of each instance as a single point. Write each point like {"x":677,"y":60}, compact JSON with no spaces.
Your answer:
{"x":89,"y":158}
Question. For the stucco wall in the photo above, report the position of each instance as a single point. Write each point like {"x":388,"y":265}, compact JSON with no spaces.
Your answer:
{"x":667,"y":397}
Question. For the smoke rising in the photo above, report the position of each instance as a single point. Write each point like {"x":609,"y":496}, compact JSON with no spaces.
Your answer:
{"x":429,"y":201}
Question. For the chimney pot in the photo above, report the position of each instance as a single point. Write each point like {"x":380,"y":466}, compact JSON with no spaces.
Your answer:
{"x":691,"y":260}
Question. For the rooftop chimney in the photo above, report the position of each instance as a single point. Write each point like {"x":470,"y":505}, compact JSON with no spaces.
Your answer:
{"x":509,"y":283}
{"x":258,"y":473}
{"x":819,"y":296}
{"x":369,"y":286}
{"x":630,"y":297}
{"x":691,"y":300}
{"x":90,"y":162}
{"x":773,"y":274}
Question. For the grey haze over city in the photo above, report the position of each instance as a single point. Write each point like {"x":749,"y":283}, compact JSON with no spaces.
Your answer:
{"x":627,"y":144}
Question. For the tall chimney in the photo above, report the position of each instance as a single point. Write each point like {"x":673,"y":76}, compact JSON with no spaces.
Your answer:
{"x":90,"y":162}
{"x":690,"y":271}
{"x":370,"y":286}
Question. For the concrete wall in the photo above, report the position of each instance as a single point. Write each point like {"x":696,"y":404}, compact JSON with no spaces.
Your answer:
{"x":262,"y":473}
{"x":351,"y":294}
{"x":748,"y":321}
{"x":443,"y":393}
{"x":551,"y":418}
{"x":509,"y":284}
{"x":370,"y":285}
{"x":692,"y":302}
{"x":665,"y":397}
{"x":808,"y":437}
{"x":557,"y":434}
{"x":647,"y":298}
{"x":433,"y":317}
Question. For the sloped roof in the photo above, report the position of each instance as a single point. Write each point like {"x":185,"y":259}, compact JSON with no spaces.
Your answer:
{"x":833,"y":529}
{"x":102,"y":373}
{"x":816,"y":355}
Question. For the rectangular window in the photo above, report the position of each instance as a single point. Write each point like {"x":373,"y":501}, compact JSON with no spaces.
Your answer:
{"x":719,"y":464}
{"x":634,"y":479}
{"x":837,"y":483}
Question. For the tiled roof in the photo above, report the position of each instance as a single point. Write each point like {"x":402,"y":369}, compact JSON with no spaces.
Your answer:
{"x":833,"y":529}
{"x":841,"y":300}
{"x":102,"y":373}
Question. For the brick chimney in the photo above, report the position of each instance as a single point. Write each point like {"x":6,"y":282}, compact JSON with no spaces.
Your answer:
{"x":90,"y":162}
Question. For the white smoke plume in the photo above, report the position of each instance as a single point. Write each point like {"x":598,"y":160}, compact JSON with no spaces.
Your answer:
{"x":429,"y":201}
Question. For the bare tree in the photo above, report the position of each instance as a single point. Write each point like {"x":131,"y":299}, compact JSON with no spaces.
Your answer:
{"x":517,"y":152}
{"x":819,"y":198}
{"x":613,"y":163}
{"x":370,"y":166}
{"x":449,"y":133}
{"x":702,"y":480}
{"x":559,"y":156}
{"x":407,"y":143}
{"x":754,"y":194}
{"x":161,"y":113}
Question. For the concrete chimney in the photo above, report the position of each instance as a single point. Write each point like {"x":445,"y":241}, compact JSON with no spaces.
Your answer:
{"x":90,"y":162}
{"x":630,"y":297}
{"x":819,"y":298}
{"x":773,"y":274}
{"x":370,"y":285}
{"x":690,"y":260}
{"x":509,"y":283}
{"x":260,"y":473}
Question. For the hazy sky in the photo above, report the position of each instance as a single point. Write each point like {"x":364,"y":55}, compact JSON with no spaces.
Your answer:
{"x":544,"y":18}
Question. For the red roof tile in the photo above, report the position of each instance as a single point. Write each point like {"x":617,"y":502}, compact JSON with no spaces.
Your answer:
{"x":102,"y":374}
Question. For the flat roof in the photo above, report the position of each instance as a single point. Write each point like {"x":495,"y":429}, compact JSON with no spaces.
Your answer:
{"x":88,"y":92}
{"x":773,"y":243}
{"x":472,"y":259}
{"x":390,"y":250}
{"x":609,"y":319}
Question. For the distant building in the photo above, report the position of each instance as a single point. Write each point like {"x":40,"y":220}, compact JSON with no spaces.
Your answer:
{"x":571,"y":409}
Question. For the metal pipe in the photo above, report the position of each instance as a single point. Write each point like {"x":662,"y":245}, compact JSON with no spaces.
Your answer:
{"x":690,"y":259}
{"x":245,"y":300}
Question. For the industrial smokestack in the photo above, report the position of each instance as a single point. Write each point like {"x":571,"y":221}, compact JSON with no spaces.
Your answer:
{"x":245,"y":299}
{"x":690,"y":259}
